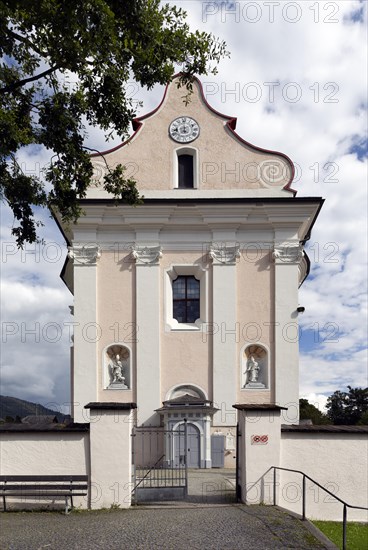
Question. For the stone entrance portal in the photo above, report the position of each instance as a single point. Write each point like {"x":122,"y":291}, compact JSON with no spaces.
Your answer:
{"x":197,"y":413}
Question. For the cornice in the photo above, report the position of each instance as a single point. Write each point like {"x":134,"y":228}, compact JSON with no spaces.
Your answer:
{"x":158,"y":215}
{"x":161,"y":210}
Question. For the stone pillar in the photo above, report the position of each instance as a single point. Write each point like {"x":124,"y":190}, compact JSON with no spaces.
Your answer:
{"x":111,"y":454}
{"x":287,"y":256}
{"x":258,"y":449}
{"x":148,"y":307}
{"x":86,"y":329}
{"x":225,"y":331}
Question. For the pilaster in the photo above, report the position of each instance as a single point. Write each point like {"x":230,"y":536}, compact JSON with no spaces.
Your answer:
{"x":224,"y":257}
{"x":86,"y":329}
{"x":148,"y":307}
{"x":287,"y":257}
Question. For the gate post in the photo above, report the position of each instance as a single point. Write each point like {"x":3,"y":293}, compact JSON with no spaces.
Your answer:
{"x":111,"y":425}
{"x":258,"y":449}
{"x":238,"y":492}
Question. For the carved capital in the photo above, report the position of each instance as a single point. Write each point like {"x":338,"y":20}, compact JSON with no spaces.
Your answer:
{"x":225,"y":254}
{"x":288,"y":253}
{"x":84,"y":254}
{"x":147,"y":255}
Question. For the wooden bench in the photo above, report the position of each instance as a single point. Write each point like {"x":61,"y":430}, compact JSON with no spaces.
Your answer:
{"x":65,"y":486}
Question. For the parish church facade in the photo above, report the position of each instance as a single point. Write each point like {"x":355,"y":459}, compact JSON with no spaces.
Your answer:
{"x":188,"y":303}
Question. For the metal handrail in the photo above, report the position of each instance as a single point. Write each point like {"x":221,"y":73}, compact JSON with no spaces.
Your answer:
{"x":305,"y":476}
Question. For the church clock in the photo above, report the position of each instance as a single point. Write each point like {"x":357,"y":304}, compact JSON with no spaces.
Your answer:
{"x":184,"y":129}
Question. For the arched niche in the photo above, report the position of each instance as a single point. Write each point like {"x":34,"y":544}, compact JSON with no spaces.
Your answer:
{"x":117,"y":370}
{"x":186,"y":389}
{"x":254,"y":367}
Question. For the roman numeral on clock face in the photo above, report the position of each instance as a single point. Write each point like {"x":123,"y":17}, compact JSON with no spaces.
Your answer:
{"x":184,"y":129}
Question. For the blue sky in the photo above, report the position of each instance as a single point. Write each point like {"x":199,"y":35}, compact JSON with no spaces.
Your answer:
{"x":296,"y":81}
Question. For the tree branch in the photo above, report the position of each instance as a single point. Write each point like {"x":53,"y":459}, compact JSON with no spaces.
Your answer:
{"x":26,"y":41}
{"x":20,"y":83}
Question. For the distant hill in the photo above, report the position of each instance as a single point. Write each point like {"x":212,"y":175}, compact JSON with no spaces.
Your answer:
{"x":13,"y":407}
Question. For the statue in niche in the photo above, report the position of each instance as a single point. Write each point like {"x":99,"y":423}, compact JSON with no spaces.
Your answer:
{"x":118,"y":368}
{"x":252,"y":370}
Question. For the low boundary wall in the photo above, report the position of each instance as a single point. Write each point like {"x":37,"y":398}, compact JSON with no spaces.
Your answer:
{"x":101,"y":449}
{"x":44,"y":450}
{"x":336,"y":457}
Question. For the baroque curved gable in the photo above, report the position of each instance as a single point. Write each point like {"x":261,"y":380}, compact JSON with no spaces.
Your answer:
{"x":224,"y":162}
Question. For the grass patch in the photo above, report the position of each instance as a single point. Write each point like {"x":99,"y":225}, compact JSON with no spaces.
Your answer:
{"x":356,"y":533}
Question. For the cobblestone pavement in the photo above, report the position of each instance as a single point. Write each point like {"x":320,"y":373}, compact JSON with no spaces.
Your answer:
{"x":167,"y":527}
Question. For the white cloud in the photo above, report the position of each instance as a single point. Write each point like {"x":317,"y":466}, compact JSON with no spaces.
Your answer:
{"x":325,"y":62}
{"x":324,"y":376}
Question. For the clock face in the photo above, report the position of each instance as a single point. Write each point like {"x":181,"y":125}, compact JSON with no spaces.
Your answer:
{"x":184,"y":129}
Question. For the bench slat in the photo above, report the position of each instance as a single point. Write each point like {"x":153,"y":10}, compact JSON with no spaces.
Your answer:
{"x":43,"y":487}
{"x":33,"y":487}
{"x":44,"y":478}
{"x":45,"y":495}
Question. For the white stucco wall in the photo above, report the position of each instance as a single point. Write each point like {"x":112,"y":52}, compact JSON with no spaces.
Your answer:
{"x":44,"y":453}
{"x":339,"y":462}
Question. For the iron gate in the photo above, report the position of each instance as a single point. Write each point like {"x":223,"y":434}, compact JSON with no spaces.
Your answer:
{"x":160,"y":463}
